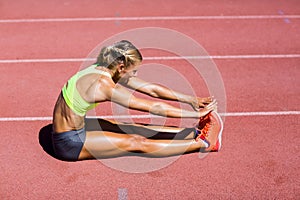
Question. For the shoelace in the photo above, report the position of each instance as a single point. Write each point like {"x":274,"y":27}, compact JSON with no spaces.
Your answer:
{"x":203,"y":121}
{"x":204,"y":131}
{"x":203,"y":128}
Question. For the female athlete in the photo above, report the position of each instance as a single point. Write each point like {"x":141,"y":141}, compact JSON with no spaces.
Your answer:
{"x":72,"y":140}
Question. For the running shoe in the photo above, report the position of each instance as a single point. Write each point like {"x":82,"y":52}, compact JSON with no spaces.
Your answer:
{"x":210,"y":130}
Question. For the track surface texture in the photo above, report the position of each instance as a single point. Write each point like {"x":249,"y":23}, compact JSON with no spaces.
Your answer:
{"x":256,"y":48}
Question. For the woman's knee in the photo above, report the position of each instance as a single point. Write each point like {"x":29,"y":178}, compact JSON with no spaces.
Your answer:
{"x":137,"y":143}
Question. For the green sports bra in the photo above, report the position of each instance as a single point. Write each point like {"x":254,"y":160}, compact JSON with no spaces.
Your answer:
{"x":71,"y":95}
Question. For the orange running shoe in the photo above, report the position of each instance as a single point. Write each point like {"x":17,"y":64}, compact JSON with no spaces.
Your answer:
{"x":210,"y":130}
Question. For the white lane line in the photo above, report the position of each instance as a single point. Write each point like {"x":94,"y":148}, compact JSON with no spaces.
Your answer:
{"x":228,"y":114}
{"x":47,"y":60}
{"x":225,"y":57}
{"x":59,"y":60}
{"x":269,"y":113}
{"x":14,"y":119}
{"x":153,"y":18}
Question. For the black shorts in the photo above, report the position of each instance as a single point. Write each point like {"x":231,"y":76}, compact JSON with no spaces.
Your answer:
{"x":67,"y":145}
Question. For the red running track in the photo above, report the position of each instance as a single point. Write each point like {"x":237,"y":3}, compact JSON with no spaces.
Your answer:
{"x":260,"y":155}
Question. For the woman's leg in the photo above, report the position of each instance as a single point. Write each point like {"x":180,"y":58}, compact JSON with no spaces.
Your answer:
{"x":101,"y":144}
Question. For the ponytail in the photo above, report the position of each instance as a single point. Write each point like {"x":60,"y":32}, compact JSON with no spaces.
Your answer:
{"x":118,"y":53}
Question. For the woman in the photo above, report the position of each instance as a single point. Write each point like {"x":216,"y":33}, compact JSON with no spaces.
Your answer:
{"x":119,"y":64}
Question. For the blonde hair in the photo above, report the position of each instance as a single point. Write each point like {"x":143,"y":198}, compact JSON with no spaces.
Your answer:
{"x":123,"y":52}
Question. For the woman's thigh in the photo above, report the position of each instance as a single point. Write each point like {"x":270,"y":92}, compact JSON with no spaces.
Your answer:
{"x":102,"y":144}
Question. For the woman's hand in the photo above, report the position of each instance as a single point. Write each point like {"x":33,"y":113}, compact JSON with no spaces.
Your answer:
{"x":198,"y":102}
{"x":209,"y":108}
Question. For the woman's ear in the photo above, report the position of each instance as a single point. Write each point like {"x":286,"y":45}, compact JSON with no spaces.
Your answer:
{"x":121,"y":67}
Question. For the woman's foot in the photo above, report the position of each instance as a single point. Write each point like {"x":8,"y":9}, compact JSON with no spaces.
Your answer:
{"x":210,"y":130}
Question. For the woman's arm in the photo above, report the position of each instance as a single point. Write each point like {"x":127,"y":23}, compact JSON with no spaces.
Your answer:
{"x":122,"y":96}
{"x":159,"y":91}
